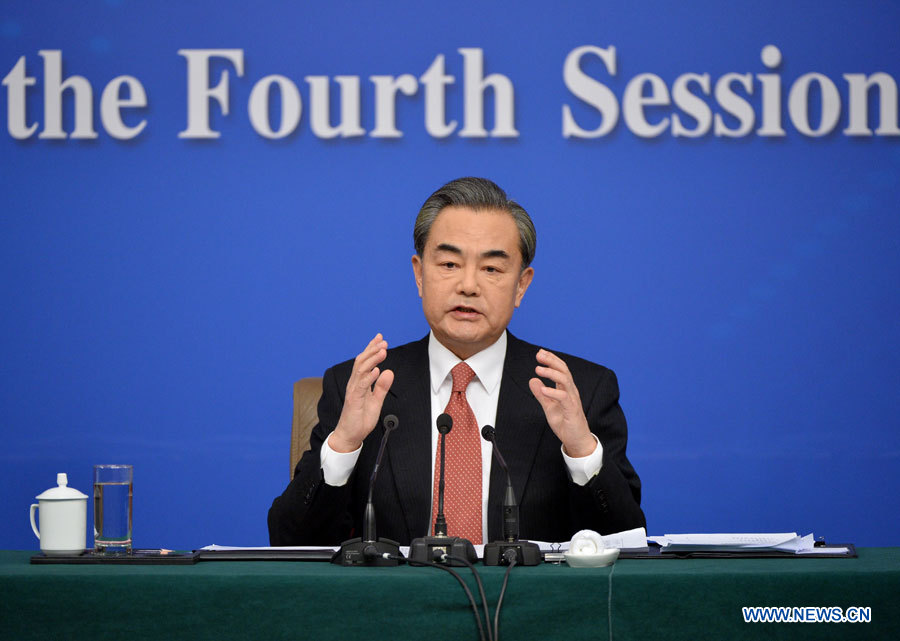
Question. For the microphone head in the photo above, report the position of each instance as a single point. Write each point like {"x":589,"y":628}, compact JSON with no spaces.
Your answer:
{"x":444,"y":423}
{"x":487,"y":433}
{"x":390,"y":422}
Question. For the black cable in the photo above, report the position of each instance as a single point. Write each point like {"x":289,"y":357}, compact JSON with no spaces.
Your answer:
{"x":512,"y":563}
{"x":487,"y":614}
{"x":455,"y":576}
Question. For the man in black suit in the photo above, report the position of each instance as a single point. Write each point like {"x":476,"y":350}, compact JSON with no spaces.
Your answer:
{"x":557,"y":417}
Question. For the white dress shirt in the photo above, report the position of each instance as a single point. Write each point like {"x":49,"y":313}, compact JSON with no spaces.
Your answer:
{"x":482,"y":395}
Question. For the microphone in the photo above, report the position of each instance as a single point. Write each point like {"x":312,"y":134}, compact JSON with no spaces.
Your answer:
{"x":510,"y":507}
{"x":427,"y":549}
{"x":444,"y":425}
{"x":369,"y":550}
{"x":390,"y":424}
{"x":499,"y":552}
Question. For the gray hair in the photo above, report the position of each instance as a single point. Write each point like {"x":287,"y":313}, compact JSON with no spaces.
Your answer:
{"x":478,"y":194}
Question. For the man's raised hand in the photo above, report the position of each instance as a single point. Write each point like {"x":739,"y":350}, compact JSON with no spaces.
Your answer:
{"x":366,"y":390}
{"x":562,"y":404}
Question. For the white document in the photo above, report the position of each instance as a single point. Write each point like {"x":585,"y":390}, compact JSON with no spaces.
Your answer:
{"x":229,"y":548}
{"x":814,"y":551}
{"x":629,"y":539}
{"x":782,"y":541}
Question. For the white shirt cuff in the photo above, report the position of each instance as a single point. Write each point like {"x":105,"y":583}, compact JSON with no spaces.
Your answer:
{"x":584,"y":468}
{"x":337,"y":466}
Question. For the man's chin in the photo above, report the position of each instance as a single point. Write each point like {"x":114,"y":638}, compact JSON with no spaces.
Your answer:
{"x":464,"y":344}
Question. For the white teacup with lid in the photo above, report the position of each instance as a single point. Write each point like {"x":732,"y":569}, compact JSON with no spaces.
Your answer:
{"x":63,"y":519}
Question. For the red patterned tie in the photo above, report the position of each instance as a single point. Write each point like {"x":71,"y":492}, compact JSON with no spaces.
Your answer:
{"x":462,"y":484}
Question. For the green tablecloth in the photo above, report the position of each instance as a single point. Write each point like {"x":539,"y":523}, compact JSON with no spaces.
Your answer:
{"x":651,"y":599}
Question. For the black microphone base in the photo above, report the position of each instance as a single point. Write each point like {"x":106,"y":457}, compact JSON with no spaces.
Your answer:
{"x":423,"y":549}
{"x":527,"y":553}
{"x":367,"y":553}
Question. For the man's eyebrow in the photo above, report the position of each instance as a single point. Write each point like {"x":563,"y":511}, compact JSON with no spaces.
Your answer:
{"x":447,"y":247}
{"x":490,"y":253}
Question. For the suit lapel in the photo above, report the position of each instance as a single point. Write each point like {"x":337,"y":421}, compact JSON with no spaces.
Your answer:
{"x":520,"y":426}
{"x":410,"y":447}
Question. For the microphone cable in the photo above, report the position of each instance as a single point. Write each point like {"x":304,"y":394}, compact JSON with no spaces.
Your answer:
{"x":455,"y":576}
{"x":484,"y":605}
{"x":510,"y":556}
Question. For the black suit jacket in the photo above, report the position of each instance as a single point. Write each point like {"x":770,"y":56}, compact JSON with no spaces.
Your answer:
{"x":551,"y":506}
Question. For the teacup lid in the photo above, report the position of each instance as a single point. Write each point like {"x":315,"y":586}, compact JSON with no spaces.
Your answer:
{"x":61,"y":492}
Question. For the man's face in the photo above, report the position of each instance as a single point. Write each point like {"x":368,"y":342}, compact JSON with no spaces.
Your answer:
{"x":470,"y":277}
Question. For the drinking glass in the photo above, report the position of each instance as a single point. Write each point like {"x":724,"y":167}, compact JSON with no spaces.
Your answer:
{"x":113,"y":487}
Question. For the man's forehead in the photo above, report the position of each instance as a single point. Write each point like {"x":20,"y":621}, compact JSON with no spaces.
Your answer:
{"x":454,"y":225}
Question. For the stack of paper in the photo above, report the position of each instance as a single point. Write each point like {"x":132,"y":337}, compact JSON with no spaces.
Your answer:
{"x":783,"y":542}
{"x":635,"y":539}
{"x":628,"y":540}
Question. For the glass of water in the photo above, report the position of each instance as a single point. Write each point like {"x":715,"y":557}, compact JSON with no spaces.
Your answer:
{"x":113,"y":486}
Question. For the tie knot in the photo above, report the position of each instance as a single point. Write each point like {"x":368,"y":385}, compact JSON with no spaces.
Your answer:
{"x":462,"y":376}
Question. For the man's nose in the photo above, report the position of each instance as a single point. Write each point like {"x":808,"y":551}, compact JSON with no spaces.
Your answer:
{"x":468,"y":282}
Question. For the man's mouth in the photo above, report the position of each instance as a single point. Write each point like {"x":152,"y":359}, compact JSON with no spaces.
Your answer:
{"x":464,"y":312}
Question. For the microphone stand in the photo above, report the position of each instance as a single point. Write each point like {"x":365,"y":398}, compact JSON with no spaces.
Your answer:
{"x":369,"y":550}
{"x":501,"y":552}
{"x":440,"y":547}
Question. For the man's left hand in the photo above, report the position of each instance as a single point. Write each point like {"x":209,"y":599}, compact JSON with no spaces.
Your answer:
{"x":562,"y":405}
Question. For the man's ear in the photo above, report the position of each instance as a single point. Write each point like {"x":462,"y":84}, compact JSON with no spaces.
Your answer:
{"x":417,"y":272}
{"x":524,"y":281}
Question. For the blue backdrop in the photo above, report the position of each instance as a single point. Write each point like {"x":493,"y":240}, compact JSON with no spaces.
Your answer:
{"x":160,"y":294}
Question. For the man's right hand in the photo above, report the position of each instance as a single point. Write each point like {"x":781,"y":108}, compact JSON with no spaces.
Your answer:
{"x":362,"y":402}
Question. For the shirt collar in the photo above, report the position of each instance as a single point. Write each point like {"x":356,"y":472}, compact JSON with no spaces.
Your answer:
{"x":487,"y":364}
